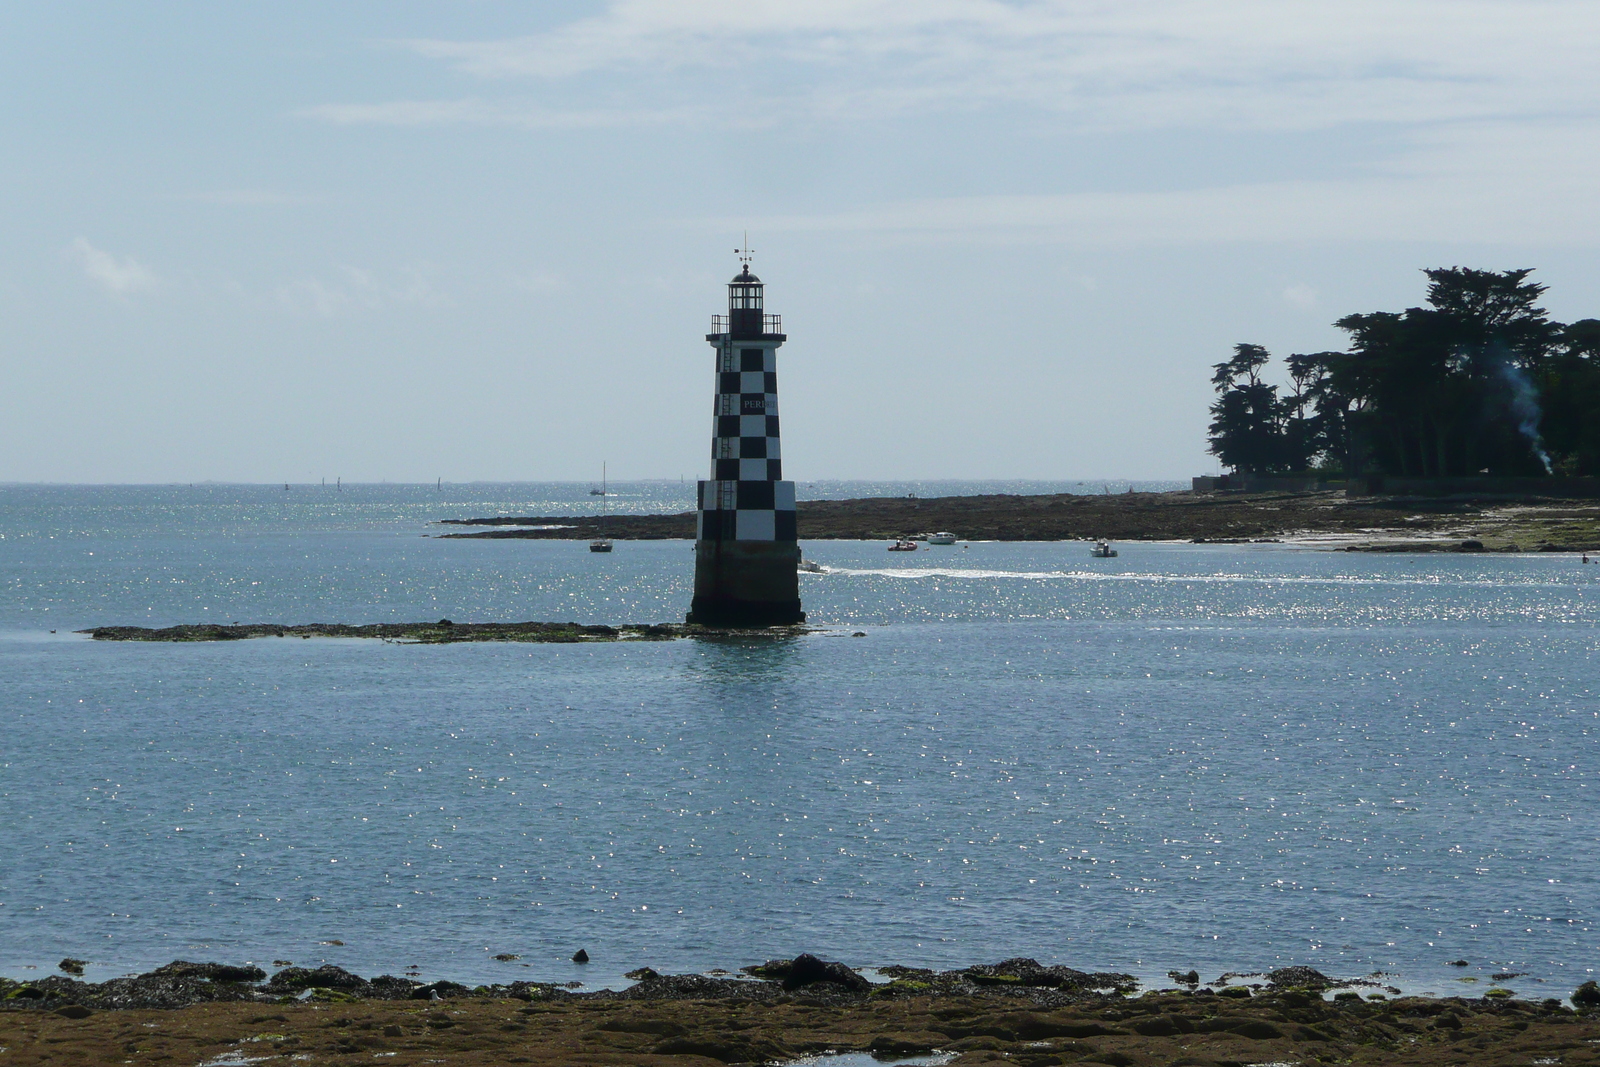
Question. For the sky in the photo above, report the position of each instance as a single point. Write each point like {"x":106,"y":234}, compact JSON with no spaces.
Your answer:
{"x":480,"y":240}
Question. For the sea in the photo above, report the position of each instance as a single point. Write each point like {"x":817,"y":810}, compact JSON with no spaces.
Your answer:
{"x":1231,"y":758}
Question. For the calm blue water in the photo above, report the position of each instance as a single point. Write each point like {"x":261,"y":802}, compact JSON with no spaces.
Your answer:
{"x":1226,"y":757}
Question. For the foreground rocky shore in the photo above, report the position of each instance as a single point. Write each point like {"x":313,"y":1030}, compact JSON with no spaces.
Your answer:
{"x":1438,"y":524}
{"x":1013,"y":1012}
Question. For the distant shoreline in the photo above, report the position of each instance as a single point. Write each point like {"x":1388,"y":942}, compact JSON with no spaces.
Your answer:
{"x":1363,"y":523}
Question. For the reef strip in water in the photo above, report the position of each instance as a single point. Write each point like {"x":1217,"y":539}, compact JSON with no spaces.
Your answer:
{"x":443,"y":632}
{"x":1013,"y":1012}
{"x":1425,"y":524}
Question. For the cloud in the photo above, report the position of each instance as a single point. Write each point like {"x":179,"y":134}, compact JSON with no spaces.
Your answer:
{"x":1474,"y":119}
{"x":1244,"y":64}
{"x":356,"y":289}
{"x":1490,"y":184}
{"x":121,"y":277}
{"x":1389,"y":210}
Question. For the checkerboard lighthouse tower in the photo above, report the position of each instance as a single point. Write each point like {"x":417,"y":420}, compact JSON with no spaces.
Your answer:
{"x":745,"y":551}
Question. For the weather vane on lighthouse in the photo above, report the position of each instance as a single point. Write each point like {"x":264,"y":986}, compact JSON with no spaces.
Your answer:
{"x":746,"y":552}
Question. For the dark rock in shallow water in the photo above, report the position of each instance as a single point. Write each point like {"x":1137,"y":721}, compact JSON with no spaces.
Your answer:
{"x":1587,"y":995}
{"x":216,"y":972}
{"x":72,"y":966}
{"x":1300,"y":977}
{"x":806,"y":970}
{"x":580,"y":956}
{"x":639,"y":974}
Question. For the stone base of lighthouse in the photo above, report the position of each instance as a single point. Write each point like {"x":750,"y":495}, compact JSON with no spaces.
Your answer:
{"x":746,"y":583}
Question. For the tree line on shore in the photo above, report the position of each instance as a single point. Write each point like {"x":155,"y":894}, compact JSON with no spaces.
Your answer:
{"x":1481,"y":380}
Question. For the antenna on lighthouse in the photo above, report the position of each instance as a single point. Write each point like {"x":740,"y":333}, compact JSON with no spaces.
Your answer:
{"x":744,"y":253}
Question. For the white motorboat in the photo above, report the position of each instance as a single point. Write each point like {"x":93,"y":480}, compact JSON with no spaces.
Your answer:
{"x":1103,"y":550}
{"x":941,"y":538}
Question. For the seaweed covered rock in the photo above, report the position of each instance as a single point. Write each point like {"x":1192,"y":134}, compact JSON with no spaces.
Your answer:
{"x":1023,"y":971}
{"x":698,"y":987}
{"x":807,"y":970}
{"x":439,"y":991}
{"x":536,"y":991}
{"x":151,"y":990}
{"x":212,"y":972}
{"x":389,"y":987}
{"x":1299,"y":978}
{"x":299,"y":979}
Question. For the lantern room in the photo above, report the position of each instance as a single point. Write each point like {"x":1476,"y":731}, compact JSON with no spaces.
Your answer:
{"x":744,"y":306}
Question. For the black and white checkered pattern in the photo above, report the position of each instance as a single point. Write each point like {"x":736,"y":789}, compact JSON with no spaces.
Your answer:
{"x":746,"y":498}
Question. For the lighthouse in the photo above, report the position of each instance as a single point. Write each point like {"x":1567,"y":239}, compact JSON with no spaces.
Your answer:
{"x":745,"y":552}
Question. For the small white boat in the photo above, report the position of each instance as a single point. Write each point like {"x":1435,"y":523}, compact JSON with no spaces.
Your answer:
{"x":1103,"y":550}
{"x":941,"y":538}
{"x":602,"y":544}
{"x":810,"y":566}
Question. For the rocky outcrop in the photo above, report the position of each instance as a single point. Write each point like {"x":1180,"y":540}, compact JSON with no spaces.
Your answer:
{"x":429,"y":633}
